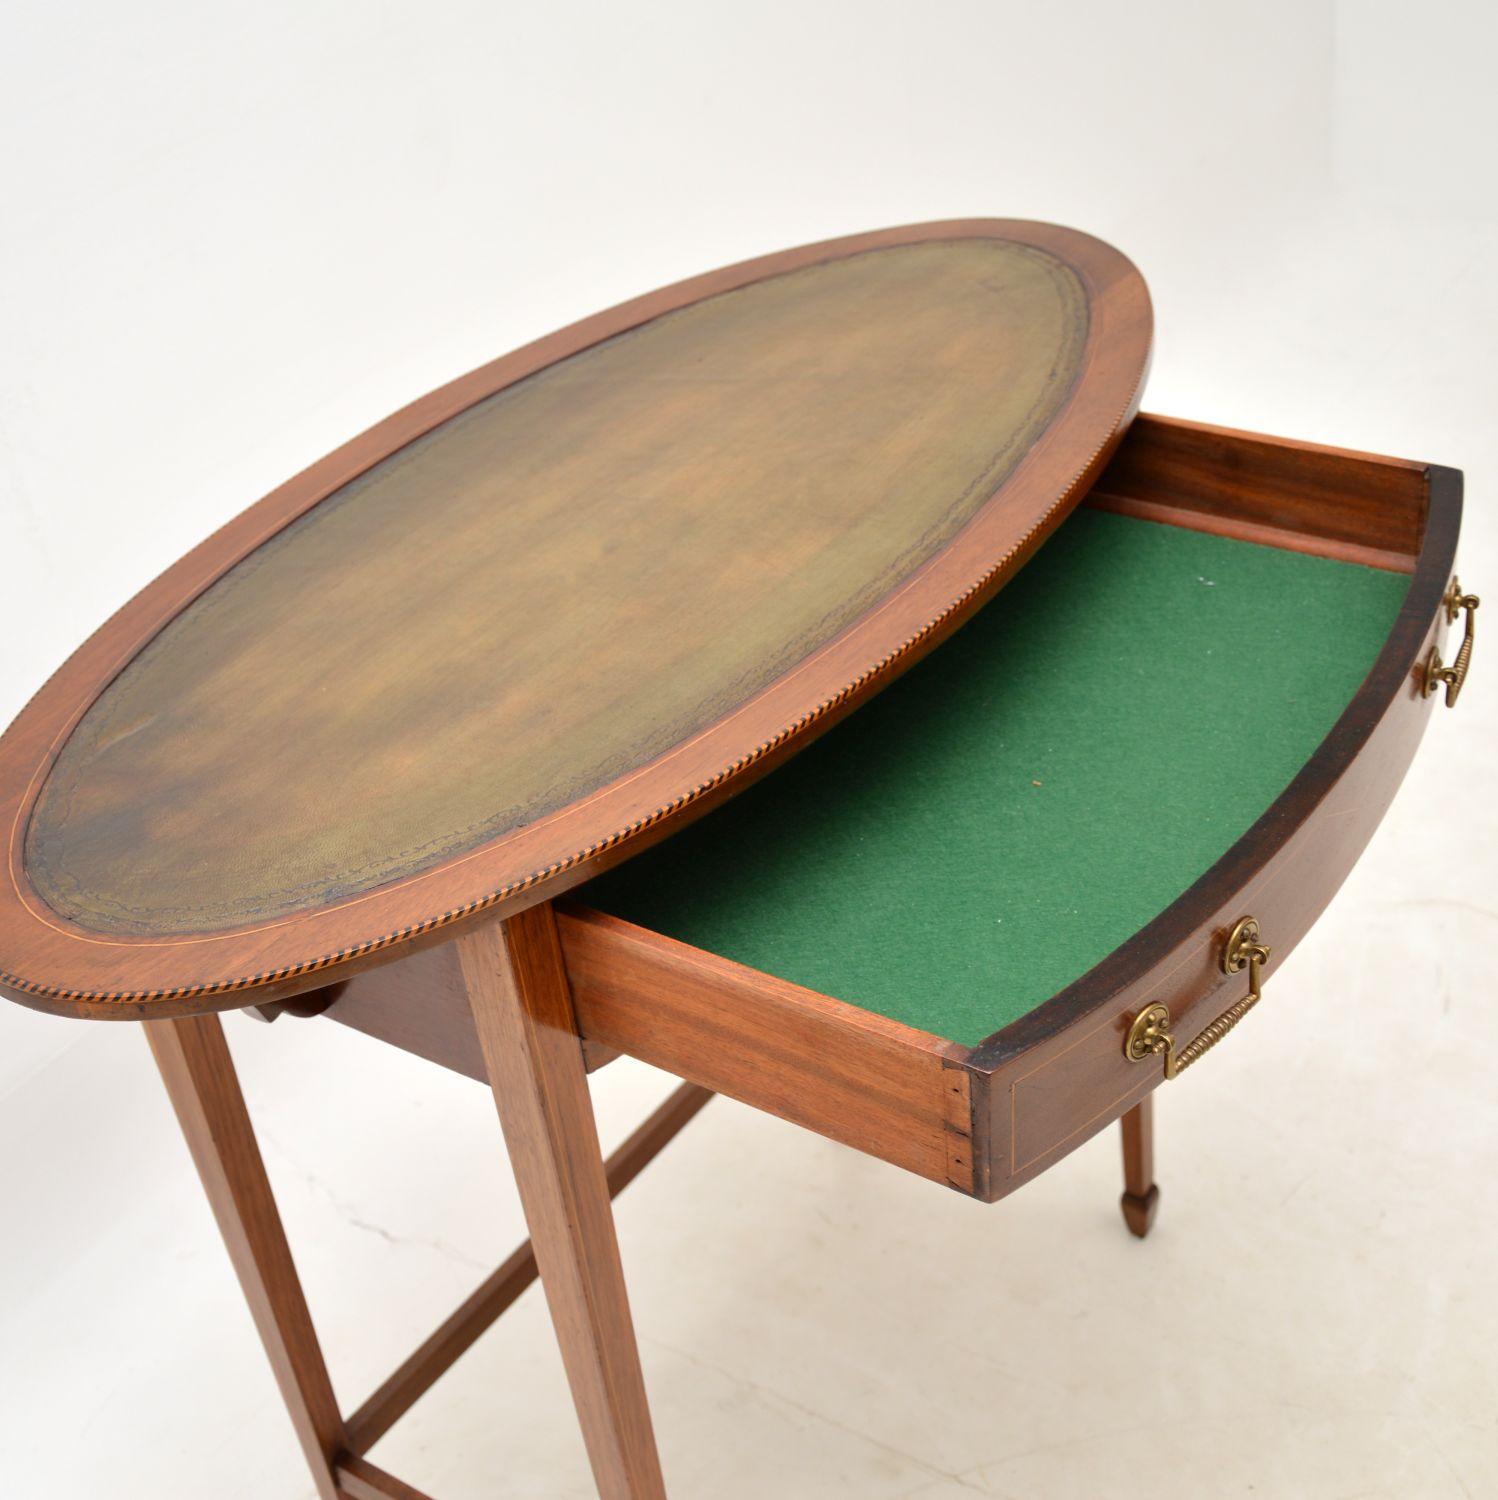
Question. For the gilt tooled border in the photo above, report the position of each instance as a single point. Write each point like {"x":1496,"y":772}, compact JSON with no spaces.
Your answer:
{"x":514,"y":888}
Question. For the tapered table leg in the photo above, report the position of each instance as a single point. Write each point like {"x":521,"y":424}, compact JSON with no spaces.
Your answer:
{"x":199,"y":1075}
{"x":522,"y":1009}
{"x":1141,"y":1197}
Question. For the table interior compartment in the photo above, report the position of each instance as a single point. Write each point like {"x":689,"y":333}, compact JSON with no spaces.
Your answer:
{"x":1040,"y":787}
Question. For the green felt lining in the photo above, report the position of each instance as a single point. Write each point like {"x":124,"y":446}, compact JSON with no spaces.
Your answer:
{"x":1024,"y":800}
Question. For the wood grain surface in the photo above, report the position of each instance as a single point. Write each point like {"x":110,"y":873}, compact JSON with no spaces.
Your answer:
{"x":998,"y":1114}
{"x":522,"y":1010}
{"x":531,"y":622}
{"x":200,"y":1079}
{"x":844,"y":1072}
{"x":1047,"y":1083}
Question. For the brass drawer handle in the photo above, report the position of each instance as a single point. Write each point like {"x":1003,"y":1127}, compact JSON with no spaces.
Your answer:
{"x":1456,"y":674}
{"x":1150,"y":1034}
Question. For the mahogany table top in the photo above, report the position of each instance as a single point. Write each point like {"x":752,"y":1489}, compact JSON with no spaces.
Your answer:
{"x":533,"y":621}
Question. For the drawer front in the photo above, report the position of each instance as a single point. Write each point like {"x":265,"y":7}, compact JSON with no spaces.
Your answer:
{"x":1044,"y":1088}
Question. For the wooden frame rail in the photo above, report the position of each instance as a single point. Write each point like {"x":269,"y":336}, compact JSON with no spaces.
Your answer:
{"x":358,"y":1479}
{"x":458,"y":1333}
{"x":199,"y":1073}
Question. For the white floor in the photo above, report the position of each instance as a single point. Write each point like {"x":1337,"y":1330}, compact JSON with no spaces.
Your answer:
{"x":1316,"y":1314}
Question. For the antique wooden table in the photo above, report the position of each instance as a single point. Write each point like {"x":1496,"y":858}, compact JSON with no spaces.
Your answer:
{"x":343,"y":759}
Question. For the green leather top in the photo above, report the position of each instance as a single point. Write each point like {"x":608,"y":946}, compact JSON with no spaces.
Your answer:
{"x":1049,"y":780}
{"x":555,"y":586}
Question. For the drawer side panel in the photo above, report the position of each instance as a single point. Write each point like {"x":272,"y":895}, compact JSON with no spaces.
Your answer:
{"x":855,"y":1077}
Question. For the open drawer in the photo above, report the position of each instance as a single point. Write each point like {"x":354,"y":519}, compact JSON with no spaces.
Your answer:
{"x":930,"y":934}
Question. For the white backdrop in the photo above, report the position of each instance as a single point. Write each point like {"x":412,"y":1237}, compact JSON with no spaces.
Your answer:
{"x":232,"y":237}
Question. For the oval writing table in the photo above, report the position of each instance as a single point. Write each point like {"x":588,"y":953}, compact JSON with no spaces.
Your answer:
{"x":460,"y":739}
